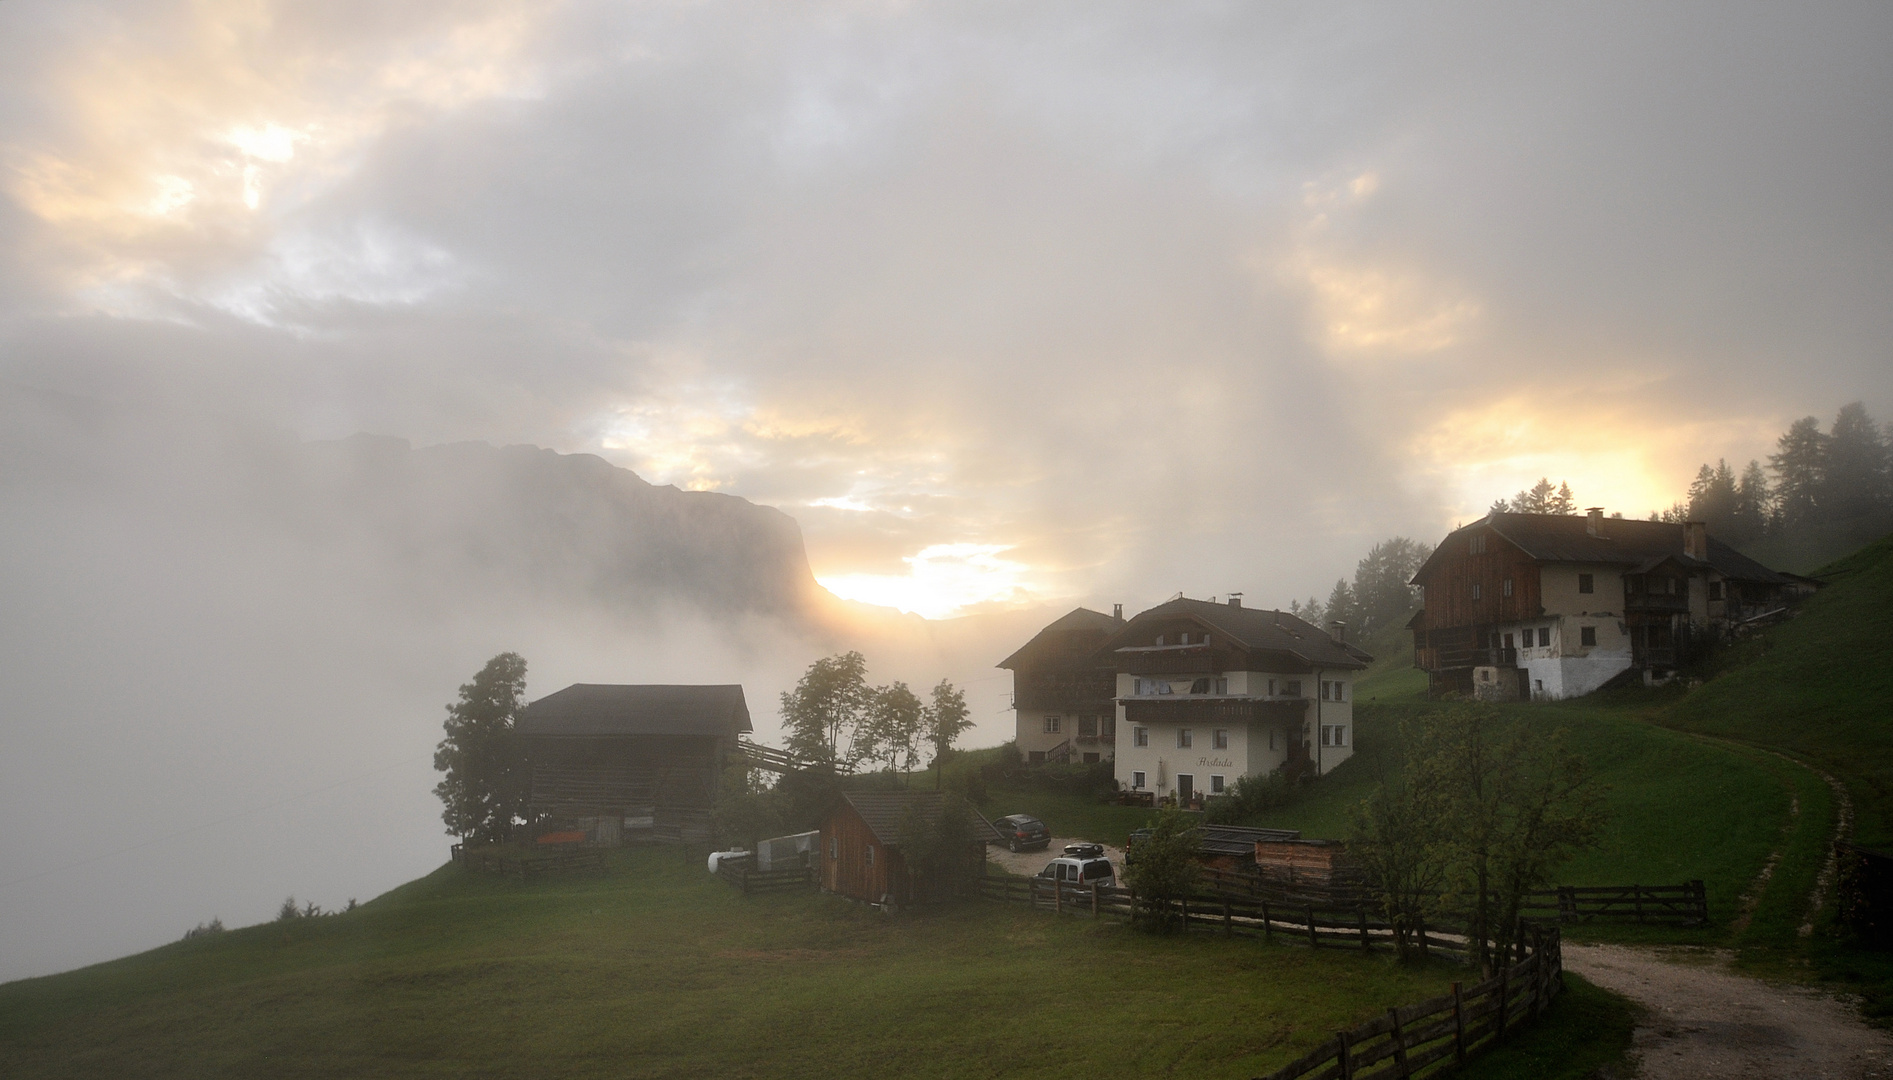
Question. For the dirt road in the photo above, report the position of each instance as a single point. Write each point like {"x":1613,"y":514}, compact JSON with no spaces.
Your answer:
{"x":1031,"y":862}
{"x":1705,"y":1022}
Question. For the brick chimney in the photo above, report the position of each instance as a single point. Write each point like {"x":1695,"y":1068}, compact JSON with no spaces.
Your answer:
{"x":1594,"y":523}
{"x":1235,"y":599}
{"x":1696,"y":540}
{"x":1338,"y":631}
{"x":1117,"y":612}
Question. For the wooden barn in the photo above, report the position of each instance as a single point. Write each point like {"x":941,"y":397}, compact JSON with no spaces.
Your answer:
{"x":1312,"y":869}
{"x":860,"y":845}
{"x":624,"y":763}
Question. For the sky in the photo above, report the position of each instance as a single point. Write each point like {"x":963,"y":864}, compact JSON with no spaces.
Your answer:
{"x":1009,"y":306}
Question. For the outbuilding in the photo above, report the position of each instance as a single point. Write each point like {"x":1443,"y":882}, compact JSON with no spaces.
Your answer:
{"x":860,"y":852}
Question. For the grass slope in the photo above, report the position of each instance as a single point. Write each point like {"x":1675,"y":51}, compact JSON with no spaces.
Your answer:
{"x":659,"y":970}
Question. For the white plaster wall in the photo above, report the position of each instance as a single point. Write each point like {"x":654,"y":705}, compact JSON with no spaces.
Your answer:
{"x":1558,"y":589}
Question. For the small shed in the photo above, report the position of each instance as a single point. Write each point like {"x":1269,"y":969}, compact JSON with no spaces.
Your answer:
{"x":1232,"y":847}
{"x":860,"y":845}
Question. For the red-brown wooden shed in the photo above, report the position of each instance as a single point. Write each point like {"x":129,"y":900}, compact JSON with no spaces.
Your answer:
{"x":860,"y":844}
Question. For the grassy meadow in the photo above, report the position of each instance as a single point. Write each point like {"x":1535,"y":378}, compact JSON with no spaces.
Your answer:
{"x":659,"y":970}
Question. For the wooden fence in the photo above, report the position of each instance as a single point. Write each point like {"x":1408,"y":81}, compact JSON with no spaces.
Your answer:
{"x":1676,"y":905}
{"x":740,"y":874}
{"x":1401,"y":1044}
{"x":1672,"y":905}
{"x":1441,"y":1031}
{"x":510,"y":862}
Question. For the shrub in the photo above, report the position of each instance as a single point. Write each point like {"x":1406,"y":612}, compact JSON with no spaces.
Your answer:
{"x":204,"y":929}
{"x":1250,"y":797}
{"x":1161,"y":868}
{"x":288,"y":911}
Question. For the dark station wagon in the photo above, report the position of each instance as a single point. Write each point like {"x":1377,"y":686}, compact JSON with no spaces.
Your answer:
{"x":1023,"y":832}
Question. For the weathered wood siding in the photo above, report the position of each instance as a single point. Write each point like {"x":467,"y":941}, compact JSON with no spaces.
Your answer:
{"x":845,"y":865}
{"x":1448,"y":587}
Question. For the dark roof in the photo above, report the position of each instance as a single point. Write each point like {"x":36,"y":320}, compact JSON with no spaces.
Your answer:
{"x":883,"y":812}
{"x":1236,"y":840}
{"x":1255,"y":628}
{"x":1618,"y":542}
{"x":606,"y":709}
{"x":1092,"y":626}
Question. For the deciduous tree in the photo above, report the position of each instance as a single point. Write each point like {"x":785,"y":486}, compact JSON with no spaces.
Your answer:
{"x":485,"y":788}
{"x":823,"y":714}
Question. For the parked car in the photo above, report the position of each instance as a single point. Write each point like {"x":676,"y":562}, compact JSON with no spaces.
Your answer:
{"x":1081,"y":870}
{"x":1023,"y":832}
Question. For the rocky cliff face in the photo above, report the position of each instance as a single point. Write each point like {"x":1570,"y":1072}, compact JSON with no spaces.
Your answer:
{"x":571,"y":528}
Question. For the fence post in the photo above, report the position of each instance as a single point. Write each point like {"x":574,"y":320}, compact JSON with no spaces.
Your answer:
{"x":1229,"y":927}
{"x":1636,"y":898}
{"x":1268,"y":928}
{"x":1058,"y":897}
{"x":1133,"y":897}
{"x":1701,"y":897}
{"x":1366,"y":944}
{"x":1094,"y":899}
{"x":1340,"y":1059}
{"x":1567,"y":903}
{"x":1505,"y":1000}
{"x":1459,"y":1025}
{"x":1399,"y":1042}
{"x":1314,"y":942}
{"x":1183,"y":905}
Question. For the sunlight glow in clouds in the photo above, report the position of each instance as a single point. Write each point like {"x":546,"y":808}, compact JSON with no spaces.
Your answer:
{"x":941,"y":581}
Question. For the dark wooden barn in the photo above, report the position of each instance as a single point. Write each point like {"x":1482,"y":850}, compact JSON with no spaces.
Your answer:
{"x":630,"y":762}
{"x":860,"y":845}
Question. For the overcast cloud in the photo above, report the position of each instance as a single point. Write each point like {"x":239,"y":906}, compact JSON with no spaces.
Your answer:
{"x":1051,"y":302}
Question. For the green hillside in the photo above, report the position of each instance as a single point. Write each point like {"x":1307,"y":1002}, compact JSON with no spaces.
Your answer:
{"x":659,"y":970}
{"x":1819,"y":687}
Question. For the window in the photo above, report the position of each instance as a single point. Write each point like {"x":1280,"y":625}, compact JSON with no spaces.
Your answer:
{"x":1185,"y":738}
{"x":1137,"y":778}
{"x":1506,"y":588}
{"x":1140,"y":736}
{"x":1271,"y":687}
{"x":1051,"y":725}
{"x":1334,"y":734}
{"x":1544,"y":637}
{"x":1222,"y":685}
{"x":1478,"y":591}
{"x":870,"y":854}
{"x":1291,"y":688}
{"x":1220,"y":740}
{"x":1185,"y":639}
{"x":1087,"y":727}
{"x":1160,"y":639}
{"x":1587,"y":635}
{"x":1508,"y":641}
{"x":1215,"y":784}
{"x":1477,"y":545}
{"x":1587,"y":583}
{"x":1206,"y":639}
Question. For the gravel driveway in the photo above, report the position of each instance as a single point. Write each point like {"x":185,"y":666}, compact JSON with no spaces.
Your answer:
{"x":1705,"y":1022}
{"x":1031,"y":862}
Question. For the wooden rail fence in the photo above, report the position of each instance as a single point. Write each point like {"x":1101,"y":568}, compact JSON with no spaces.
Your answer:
{"x":1401,"y":1044}
{"x":1441,"y":1031}
{"x":1673,"y":905}
{"x":747,"y":878}
{"x":494,"y":859}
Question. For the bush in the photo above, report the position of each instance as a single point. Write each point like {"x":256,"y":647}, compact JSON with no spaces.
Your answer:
{"x":1250,"y":797}
{"x":204,"y":929}
{"x":288,"y":911}
{"x":1161,"y":867}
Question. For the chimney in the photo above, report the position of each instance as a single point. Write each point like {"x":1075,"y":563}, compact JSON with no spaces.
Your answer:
{"x":1595,"y":524}
{"x":1235,"y":599}
{"x":1117,"y":612}
{"x":1338,"y":631}
{"x":1696,"y":540}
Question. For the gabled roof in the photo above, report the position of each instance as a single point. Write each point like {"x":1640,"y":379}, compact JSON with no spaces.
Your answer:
{"x":610,"y":709}
{"x":1054,"y":638}
{"x":1618,"y":541}
{"x":1251,"y":628}
{"x":883,"y":812}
